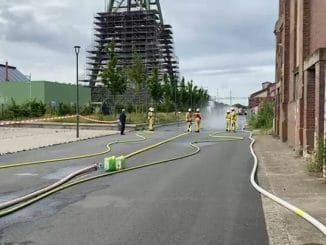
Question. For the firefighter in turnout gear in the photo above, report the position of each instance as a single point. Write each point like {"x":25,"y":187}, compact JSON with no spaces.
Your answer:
{"x":233,"y":120}
{"x":151,"y":119}
{"x":197,"y":117}
{"x":228,"y":121}
{"x":189,"y":120}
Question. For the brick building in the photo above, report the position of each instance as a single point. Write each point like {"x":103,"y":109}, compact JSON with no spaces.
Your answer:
{"x":300,"y":69}
{"x":267,"y":93}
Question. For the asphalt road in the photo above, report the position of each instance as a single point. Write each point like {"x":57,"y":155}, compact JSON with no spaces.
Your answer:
{"x":205,"y":199}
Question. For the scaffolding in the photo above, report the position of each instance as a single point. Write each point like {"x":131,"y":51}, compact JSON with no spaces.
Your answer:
{"x":136,"y":26}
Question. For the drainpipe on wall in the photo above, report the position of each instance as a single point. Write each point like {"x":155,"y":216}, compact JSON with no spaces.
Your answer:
{"x":7,"y":72}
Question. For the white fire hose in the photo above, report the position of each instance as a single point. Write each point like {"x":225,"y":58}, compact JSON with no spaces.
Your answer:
{"x":280,"y":201}
{"x":48,"y":188}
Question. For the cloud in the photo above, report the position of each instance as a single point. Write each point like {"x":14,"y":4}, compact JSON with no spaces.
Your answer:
{"x":220,"y":44}
{"x":233,"y":71}
{"x":37,"y":23}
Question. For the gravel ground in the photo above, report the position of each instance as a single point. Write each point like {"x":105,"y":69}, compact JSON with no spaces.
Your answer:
{"x":22,"y":139}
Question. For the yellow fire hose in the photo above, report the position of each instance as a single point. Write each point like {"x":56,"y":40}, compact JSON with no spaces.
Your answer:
{"x":19,"y":206}
{"x":108,"y":146}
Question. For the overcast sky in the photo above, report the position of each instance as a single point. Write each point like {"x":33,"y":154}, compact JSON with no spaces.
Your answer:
{"x":221,"y":45}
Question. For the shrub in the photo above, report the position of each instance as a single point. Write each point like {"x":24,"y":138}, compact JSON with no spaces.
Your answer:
{"x":264,"y":117}
{"x":64,"y":109}
{"x":36,"y":108}
{"x":318,"y":157}
{"x":14,"y":110}
{"x":87,"y":109}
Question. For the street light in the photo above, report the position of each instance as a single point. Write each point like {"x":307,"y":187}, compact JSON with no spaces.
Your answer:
{"x":77,"y":49}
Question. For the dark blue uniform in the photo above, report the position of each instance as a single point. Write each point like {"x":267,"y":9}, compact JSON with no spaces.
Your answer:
{"x":122,"y":120}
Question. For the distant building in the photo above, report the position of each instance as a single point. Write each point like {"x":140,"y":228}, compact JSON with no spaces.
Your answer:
{"x":50,"y":93}
{"x":300,"y":69}
{"x":11,"y":74}
{"x":267,"y":93}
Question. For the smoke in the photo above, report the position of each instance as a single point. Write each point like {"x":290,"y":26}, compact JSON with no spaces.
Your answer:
{"x":214,"y":118}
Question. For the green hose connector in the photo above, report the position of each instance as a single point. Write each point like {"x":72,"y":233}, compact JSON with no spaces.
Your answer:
{"x":113,"y":163}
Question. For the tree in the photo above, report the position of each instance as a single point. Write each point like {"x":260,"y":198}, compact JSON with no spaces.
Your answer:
{"x":183,"y":98}
{"x":112,"y":75}
{"x":189,"y":89}
{"x":155,"y":87}
{"x":174,"y":87}
{"x":167,"y":90}
{"x":137,"y":74}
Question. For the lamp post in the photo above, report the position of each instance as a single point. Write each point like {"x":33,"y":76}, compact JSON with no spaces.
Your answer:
{"x":77,"y":49}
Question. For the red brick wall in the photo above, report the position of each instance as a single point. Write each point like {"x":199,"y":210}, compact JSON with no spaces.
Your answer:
{"x":318,"y":24}
{"x":306,"y":28}
{"x":286,"y":76}
{"x":292,"y":123}
{"x":302,"y":106}
{"x":320,"y":99}
{"x":309,"y":111}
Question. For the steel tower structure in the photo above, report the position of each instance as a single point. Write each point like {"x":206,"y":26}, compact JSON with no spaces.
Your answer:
{"x":135,"y":26}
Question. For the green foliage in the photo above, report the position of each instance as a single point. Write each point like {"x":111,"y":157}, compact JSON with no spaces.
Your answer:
{"x":264,"y":118}
{"x":29,"y":109}
{"x":64,"y":109}
{"x":318,"y":158}
{"x":113,"y":75}
{"x":155,"y":87}
{"x":167,"y":93}
{"x":183,"y":97}
{"x":168,"y":106}
{"x":118,"y":107}
{"x":37,"y":108}
{"x":14,"y":110}
{"x":130,"y":108}
{"x":137,"y":72}
{"x":137,"y":75}
{"x":87,"y":109}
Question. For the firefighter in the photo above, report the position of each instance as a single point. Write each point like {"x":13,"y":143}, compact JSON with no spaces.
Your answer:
{"x":122,"y":121}
{"x":233,"y":120}
{"x":189,"y":120}
{"x":228,"y":121}
{"x":151,"y":119}
{"x":197,"y":117}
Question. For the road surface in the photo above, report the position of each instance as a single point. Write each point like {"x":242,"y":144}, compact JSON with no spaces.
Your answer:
{"x":204,"y":199}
